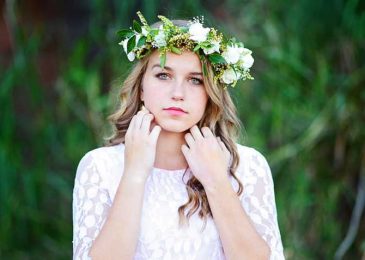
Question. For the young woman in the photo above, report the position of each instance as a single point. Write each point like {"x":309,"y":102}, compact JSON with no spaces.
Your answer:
{"x":173,"y":183}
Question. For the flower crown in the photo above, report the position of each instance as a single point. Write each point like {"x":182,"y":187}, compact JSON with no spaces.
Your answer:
{"x":229,"y":59}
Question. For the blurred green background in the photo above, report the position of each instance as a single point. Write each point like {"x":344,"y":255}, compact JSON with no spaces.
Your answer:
{"x":60,"y":69}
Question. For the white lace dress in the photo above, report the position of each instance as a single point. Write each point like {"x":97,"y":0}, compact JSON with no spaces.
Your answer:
{"x":96,"y":182}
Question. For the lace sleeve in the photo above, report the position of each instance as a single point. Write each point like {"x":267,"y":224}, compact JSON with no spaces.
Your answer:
{"x":91,"y":203}
{"x":258,"y":200}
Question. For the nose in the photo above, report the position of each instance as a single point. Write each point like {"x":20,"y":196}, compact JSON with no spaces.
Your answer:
{"x":178,"y":91}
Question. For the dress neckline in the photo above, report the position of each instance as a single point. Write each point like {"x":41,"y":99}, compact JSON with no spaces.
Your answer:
{"x":174,"y":174}
{"x":156,"y":169}
{"x":170,"y":171}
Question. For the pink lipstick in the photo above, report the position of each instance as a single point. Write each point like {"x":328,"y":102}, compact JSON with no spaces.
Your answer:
{"x":175,"y":111}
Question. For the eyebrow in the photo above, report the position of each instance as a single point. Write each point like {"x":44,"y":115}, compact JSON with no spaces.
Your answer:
{"x":170,"y":69}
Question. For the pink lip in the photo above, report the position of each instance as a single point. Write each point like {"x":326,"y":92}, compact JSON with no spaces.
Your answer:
{"x":175,"y":111}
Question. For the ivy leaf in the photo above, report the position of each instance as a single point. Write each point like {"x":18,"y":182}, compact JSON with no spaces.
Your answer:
{"x":154,"y":31}
{"x":131,"y":44}
{"x":184,"y":29}
{"x":175,"y":50}
{"x":162,"y":59}
{"x":196,"y":48}
{"x":125,"y":33}
{"x":216,"y":58}
{"x":141,"y":41}
{"x":137,"y":27}
{"x":205,"y":70}
{"x":206,"y":44}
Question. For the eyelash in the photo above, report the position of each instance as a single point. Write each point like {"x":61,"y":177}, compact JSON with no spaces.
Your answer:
{"x":163,"y":75}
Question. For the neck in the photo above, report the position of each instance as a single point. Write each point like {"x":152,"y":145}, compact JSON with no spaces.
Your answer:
{"x":168,"y":151}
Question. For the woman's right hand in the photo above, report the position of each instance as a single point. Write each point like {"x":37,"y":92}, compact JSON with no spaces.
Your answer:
{"x":140,"y":146}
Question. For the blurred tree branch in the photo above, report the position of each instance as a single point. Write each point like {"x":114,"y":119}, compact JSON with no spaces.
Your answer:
{"x":356,"y":214}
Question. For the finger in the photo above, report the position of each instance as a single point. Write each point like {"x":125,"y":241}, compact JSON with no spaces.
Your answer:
{"x":130,"y":126}
{"x":221,"y":144}
{"x":207,"y":132}
{"x":185,"y":150}
{"x":155,"y":133}
{"x":189,"y":140}
{"x":153,"y":124}
{"x":146,"y":122}
{"x":196,"y":133}
{"x":139,"y":118}
{"x":226,"y":151}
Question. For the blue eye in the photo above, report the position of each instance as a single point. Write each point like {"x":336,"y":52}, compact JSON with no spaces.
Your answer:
{"x":196,"y":81}
{"x":163,"y":76}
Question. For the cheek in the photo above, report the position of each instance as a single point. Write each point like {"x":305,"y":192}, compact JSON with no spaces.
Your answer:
{"x":152,"y":99}
{"x":200,"y":104}
{"x":202,"y":101}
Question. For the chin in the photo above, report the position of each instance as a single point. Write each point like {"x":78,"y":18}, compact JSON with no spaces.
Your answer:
{"x":176,"y":127}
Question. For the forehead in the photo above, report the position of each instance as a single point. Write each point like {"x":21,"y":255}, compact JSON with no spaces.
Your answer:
{"x":186,"y":61}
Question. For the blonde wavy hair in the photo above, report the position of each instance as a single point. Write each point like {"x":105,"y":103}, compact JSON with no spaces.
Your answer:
{"x":220,"y":116}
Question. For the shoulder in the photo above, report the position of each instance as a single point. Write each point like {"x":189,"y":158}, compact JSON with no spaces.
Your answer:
{"x":102,"y":167}
{"x":106,"y":150}
{"x":103,"y":154}
{"x":250,"y":154}
{"x":252,"y":163}
{"x":106,"y":160}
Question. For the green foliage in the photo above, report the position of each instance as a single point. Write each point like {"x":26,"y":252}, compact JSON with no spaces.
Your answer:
{"x":304,"y":111}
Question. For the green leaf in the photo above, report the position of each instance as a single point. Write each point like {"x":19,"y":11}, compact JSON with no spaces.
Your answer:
{"x":162,"y":59}
{"x":125,"y":33}
{"x":131,"y":44}
{"x":216,"y":58}
{"x":141,"y":41}
{"x":175,"y":50}
{"x":205,"y":70}
{"x":205,"y":44}
{"x":196,"y":48}
{"x":184,"y":29}
{"x":154,"y":31}
{"x":137,"y":27}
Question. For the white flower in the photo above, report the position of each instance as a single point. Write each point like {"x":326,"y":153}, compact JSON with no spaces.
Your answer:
{"x":144,"y":32}
{"x":197,"y":32}
{"x":232,"y":54}
{"x":131,"y":56}
{"x":229,"y":76}
{"x":160,"y":39}
{"x":214,"y":48}
{"x":124,"y":44}
{"x":246,"y":59}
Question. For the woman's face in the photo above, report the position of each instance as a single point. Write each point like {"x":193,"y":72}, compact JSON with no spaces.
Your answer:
{"x":179,"y":86}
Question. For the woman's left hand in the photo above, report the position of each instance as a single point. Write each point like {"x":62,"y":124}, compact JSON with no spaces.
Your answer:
{"x":207,"y":156}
